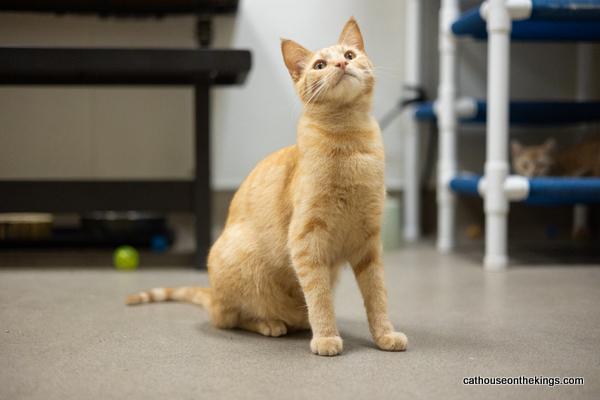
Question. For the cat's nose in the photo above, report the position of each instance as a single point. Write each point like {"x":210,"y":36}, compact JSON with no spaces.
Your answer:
{"x":341,"y":64}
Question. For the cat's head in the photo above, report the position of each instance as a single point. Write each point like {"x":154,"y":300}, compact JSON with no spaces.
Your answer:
{"x":337,"y":74}
{"x":536,"y":160}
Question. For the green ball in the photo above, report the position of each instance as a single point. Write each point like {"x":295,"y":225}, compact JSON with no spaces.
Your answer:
{"x":126,"y":258}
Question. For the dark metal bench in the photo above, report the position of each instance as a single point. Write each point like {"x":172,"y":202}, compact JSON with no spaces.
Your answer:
{"x":200,"y":68}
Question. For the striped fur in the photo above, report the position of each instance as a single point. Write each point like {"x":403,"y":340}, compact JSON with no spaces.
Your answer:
{"x":194,"y":295}
{"x":306,"y":210}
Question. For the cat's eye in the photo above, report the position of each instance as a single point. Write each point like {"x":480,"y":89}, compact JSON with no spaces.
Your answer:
{"x":319,"y":64}
{"x":349,"y":55}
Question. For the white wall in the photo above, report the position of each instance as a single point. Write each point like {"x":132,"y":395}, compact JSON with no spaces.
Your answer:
{"x":147,"y":132}
{"x":252,"y":121}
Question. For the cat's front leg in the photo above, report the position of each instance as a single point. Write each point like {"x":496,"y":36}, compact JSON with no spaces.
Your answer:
{"x":313,"y":272}
{"x":368,"y":270}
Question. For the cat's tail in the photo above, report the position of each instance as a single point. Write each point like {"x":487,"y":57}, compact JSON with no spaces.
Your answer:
{"x":194,"y":295}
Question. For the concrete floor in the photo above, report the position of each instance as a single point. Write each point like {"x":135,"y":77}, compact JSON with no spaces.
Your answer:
{"x":65,"y":334}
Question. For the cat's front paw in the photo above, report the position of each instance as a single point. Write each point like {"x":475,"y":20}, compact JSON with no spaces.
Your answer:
{"x":326,"y":345}
{"x":393,"y":341}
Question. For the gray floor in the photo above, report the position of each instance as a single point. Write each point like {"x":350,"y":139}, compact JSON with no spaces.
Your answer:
{"x":65,"y":334}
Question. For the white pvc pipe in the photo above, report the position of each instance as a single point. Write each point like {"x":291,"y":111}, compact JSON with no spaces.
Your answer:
{"x":496,"y":166}
{"x":412,"y":190}
{"x":446,"y":125}
{"x":516,"y":187}
{"x":466,"y":107}
{"x":518,"y":9}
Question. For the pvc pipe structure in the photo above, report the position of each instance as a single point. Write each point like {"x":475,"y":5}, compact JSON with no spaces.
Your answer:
{"x":465,"y":107}
{"x":470,"y":110}
{"x":497,"y":187}
{"x":446,"y":125}
{"x":412,"y":189}
{"x":496,"y":167}
{"x":518,"y":9}
{"x":516,"y":187}
{"x":541,"y":191}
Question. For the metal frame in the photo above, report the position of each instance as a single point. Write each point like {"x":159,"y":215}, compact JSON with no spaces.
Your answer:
{"x":123,"y":7}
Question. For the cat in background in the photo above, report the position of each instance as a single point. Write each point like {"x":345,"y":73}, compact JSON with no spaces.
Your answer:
{"x":304,"y":211}
{"x":579,"y":160}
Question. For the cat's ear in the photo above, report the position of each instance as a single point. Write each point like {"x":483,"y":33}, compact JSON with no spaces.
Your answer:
{"x":515,"y":147}
{"x":351,"y":35}
{"x":550,"y":144}
{"x":295,"y":57}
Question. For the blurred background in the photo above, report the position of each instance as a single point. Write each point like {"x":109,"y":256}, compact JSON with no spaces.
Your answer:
{"x":146,"y":132}
{"x":126,"y":126}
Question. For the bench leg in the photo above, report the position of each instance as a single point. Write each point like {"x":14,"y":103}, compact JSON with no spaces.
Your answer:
{"x":202,"y":188}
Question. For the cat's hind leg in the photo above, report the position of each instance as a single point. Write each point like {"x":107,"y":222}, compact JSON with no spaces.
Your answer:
{"x":230,"y":317}
{"x":272,"y":328}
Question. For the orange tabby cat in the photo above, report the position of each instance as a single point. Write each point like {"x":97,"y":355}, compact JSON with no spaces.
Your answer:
{"x":581,"y":159}
{"x":304,"y":211}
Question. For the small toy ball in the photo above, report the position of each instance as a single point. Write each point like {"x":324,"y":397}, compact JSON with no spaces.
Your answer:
{"x":474,"y":231}
{"x":159,"y":243}
{"x":126,"y":258}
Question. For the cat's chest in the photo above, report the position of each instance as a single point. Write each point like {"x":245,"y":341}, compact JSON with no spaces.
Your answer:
{"x":346,"y":184}
{"x":358,"y":169}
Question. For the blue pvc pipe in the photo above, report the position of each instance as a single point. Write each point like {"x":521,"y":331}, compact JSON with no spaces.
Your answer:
{"x":579,"y":10}
{"x":529,"y":112}
{"x":547,"y":112}
{"x":563,"y":190}
{"x":556,"y":31}
{"x":470,"y":23}
{"x":465,"y":184}
{"x":542,"y":191}
{"x":425,"y":112}
{"x":555,"y":20}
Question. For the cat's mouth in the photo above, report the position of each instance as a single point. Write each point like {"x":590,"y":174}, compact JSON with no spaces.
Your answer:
{"x":345,"y":74}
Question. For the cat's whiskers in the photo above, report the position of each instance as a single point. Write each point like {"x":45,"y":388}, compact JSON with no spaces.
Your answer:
{"x":323,"y":84}
{"x":320,"y":90}
{"x":385,"y":71}
{"x":310,"y":88}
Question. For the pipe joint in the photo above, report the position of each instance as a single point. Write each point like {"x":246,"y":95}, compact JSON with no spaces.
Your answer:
{"x":516,"y":187}
{"x":498,"y":17}
{"x":449,"y":11}
{"x":492,"y":188}
{"x":517,"y":9}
